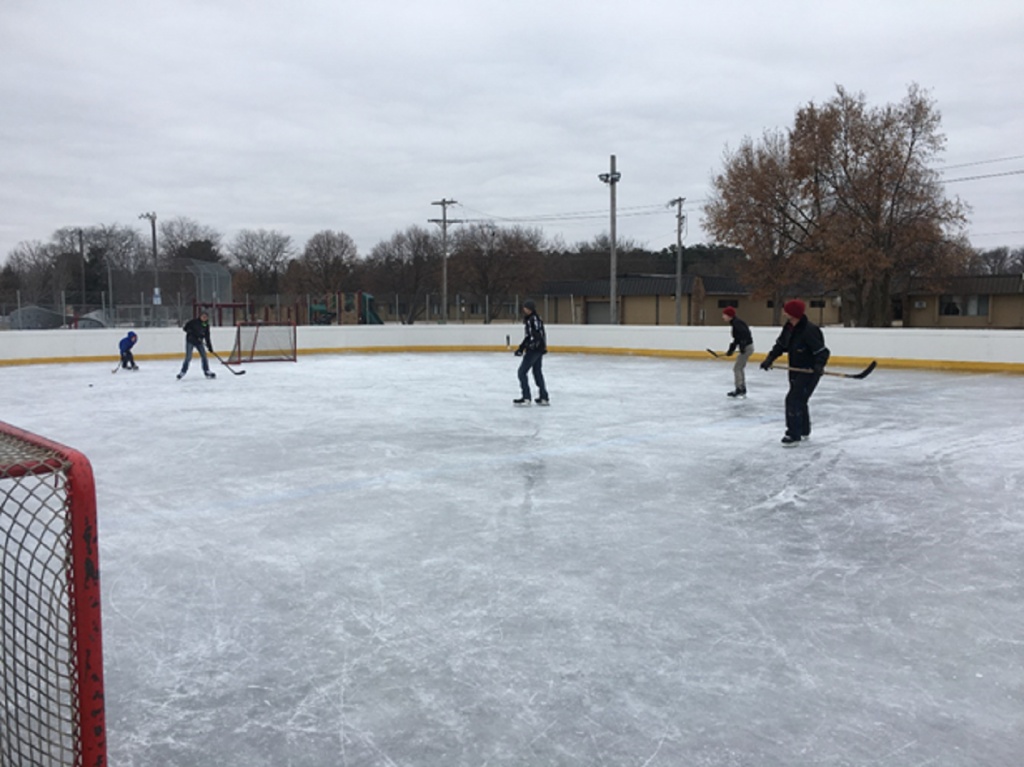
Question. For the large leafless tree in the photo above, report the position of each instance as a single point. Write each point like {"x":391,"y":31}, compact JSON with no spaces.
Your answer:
{"x":408,"y":264}
{"x":496,"y":262}
{"x":326,"y":264}
{"x":261,"y":256}
{"x":183,"y":237}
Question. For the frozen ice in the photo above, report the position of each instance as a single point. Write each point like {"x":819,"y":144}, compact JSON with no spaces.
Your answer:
{"x":378,"y":560}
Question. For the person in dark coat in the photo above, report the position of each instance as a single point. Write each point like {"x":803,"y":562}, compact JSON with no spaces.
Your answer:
{"x":742,"y":340}
{"x":804,"y":342}
{"x":197,"y":337}
{"x":125,"y":346}
{"x":532,"y":349}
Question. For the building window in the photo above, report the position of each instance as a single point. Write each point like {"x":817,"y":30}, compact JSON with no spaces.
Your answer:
{"x":966,"y":306}
{"x":724,"y":302}
{"x":819,"y":304}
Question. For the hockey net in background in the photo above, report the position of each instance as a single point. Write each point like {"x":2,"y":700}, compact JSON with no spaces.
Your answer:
{"x":264,"y":342}
{"x":51,"y":686}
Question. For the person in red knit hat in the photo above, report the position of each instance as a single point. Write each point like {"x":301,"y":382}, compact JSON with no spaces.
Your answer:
{"x":804,"y":342}
{"x":742,"y":340}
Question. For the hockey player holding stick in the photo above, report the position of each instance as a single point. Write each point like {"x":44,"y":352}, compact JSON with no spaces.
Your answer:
{"x":197,"y":337}
{"x":532,"y":349}
{"x":804,"y":342}
{"x":744,"y":341}
{"x":125,"y":347}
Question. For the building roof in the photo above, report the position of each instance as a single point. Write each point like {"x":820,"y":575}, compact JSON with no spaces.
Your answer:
{"x":643,"y":285}
{"x":975,"y":284}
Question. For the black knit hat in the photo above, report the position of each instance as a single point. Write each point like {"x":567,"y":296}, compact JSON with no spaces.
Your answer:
{"x":530,"y":305}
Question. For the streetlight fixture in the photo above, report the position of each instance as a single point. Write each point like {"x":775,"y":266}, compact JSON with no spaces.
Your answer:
{"x":611,"y":179}
{"x":156,"y":267}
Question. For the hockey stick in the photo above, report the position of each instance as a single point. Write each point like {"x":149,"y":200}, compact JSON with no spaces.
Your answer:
{"x":222,"y":362}
{"x":716,"y":355}
{"x":862,"y":374}
{"x":116,"y":367}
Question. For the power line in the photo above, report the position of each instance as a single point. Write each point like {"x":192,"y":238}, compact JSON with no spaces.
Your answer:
{"x":628,"y":212}
{"x":980,"y":162}
{"x":987,"y":175}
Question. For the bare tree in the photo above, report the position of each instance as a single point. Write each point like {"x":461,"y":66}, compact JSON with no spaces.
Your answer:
{"x":120,"y":246}
{"x":326,"y":263}
{"x":491,"y":261}
{"x":408,"y":264}
{"x":183,"y":237}
{"x":992,"y":261}
{"x":262,"y":256}
{"x":32,"y":264}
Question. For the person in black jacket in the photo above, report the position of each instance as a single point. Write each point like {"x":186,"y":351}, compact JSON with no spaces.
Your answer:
{"x":804,"y":342}
{"x":197,"y":336}
{"x":532,"y":349}
{"x":742,"y":340}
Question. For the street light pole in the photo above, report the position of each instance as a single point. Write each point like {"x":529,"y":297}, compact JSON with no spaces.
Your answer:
{"x":612,"y":178}
{"x":678,"y":202}
{"x":156,"y":266}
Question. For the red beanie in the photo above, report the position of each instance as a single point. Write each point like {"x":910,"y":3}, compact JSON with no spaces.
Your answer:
{"x":729,"y":311}
{"x":794,"y":308}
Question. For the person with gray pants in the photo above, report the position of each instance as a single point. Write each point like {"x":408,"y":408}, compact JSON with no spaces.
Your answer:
{"x":744,"y":341}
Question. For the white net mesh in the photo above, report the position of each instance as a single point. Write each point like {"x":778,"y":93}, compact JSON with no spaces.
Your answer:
{"x":264,"y":342}
{"x":39,"y":683}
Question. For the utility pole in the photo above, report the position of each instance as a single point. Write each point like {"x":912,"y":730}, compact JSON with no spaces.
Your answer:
{"x":680,"y":219}
{"x":611,"y":179}
{"x":81,"y":252}
{"x":444,"y":221}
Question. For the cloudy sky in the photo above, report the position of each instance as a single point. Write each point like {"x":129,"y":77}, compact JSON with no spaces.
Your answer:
{"x":356,"y":116}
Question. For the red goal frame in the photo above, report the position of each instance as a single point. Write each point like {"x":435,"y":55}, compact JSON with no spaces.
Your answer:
{"x":264,"y":342}
{"x":51,"y":639}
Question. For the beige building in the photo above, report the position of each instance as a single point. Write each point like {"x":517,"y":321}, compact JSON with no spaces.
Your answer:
{"x":987,"y":301}
{"x":651,"y":300}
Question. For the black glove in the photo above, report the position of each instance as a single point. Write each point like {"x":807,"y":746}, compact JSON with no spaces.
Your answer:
{"x":519,"y":352}
{"x":767,"y":364}
{"x":209,"y":349}
{"x":730,"y":350}
{"x":819,"y":370}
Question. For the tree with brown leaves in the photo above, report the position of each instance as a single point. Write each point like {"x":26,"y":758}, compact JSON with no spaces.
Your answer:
{"x":849,"y":198}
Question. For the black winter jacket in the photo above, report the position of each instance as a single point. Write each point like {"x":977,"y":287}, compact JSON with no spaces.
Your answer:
{"x":198,"y":332}
{"x":741,"y":337}
{"x":536,"y":338}
{"x":804,"y":343}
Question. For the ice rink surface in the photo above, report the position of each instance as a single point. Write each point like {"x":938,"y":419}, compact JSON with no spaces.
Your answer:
{"x":378,"y":560}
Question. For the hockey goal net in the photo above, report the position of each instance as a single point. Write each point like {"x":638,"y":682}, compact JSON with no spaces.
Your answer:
{"x":51,"y":686}
{"x":264,"y":342}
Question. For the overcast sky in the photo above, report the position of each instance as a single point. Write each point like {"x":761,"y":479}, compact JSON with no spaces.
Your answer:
{"x":356,"y":116}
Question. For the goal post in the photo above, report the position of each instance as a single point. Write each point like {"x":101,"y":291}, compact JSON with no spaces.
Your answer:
{"x":264,"y":342}
{"x":51,"y":690}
